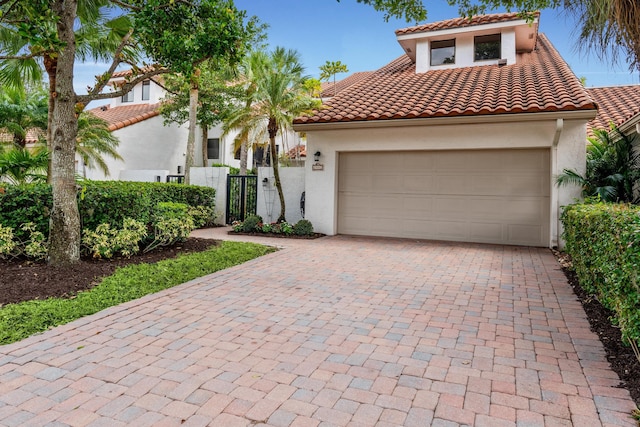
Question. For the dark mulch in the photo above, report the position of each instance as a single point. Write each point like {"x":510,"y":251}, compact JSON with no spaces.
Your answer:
{"x":281,"y":235}
{"x":26,"y":280}
{"x":621,"y":357}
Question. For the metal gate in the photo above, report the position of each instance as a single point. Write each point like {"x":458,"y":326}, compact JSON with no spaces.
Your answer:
{"x":242,"y":197}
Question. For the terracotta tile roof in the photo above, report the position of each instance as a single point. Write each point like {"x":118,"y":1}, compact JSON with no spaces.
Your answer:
{"x":125,"y":73}
{"x":616,"y":104}
{"x":126,"y":115}
{"x":297,"y":151}
{"x":540,"y":81}
{"x":328,"y":88}
{"x":462,"y":22}
{"x":33,"y":136}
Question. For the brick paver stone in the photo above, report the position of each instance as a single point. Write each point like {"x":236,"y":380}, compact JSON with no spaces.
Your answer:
{"x":335,"y":331}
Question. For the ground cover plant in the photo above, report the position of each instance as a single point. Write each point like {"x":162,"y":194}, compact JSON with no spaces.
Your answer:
{"x":254,"y":224}
{"x":57,"y":301}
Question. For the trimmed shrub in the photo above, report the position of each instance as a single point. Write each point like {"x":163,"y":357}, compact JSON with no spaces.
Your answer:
{"x":251,"y":223}
{"x":604,"y":243}
{"x":99,"y":202}
{"x":21,"y":204}
{"x":303,"y":228}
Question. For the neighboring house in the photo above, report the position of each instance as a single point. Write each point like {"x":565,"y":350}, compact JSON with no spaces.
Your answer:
{"x":619,"y":105}
{"x":459,"y":139}
{"x":329,"y":89}
{"x":150,"y":149}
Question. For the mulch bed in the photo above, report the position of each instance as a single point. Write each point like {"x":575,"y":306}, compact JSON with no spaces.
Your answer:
{"x":621,"y":357}
{"x":26,"y":280}
{"x":280,"y":235}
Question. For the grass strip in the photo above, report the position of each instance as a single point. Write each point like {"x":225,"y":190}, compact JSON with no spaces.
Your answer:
{"x":21,"y":320}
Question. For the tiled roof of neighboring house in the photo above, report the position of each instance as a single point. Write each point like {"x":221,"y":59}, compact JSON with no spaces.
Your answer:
{"x":33,"y":136}
{"x":128,"y":72}
{"x":297,"y":151}
{"x":126,"y":115}
{"x":616,"y":104}
{"x":329,"y":90}
{"x":462,"y":22}
{"x":540,"y":81}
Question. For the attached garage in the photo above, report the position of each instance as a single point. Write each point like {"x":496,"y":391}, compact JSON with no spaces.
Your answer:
{"x":485,"y":196}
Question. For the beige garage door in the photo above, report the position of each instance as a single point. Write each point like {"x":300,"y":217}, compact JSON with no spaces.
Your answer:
{"x":487,"y":196}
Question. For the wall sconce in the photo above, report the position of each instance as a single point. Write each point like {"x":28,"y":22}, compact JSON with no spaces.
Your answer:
{"x":265,"y":182}
{"x":179,"y":170}
{"x":317,"y":166}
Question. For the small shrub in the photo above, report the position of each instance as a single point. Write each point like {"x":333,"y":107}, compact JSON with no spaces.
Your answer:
{"x":171,"y":224}
{"x":37,"y":246}
{"x":105,"y":241}
{"x":250,"y":223}
{"x":266,"y":228}
{"x":303,"y":228}
{"x":286,"y":228}
{"x":203,"y":216}
{"x":7,"y":244}
{"x":171,"y":210}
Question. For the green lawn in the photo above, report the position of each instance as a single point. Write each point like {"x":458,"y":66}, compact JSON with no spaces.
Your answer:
{"x":18,"y":321}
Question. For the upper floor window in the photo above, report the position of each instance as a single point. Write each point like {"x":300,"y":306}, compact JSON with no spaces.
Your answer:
{"x":213,"y":148}
{"x":443,"y":52}
{"x":128,"y":97}
{"x":487,"y":47}
{"x":146,"y":86}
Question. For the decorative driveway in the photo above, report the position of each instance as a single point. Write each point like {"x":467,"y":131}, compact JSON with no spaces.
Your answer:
{"x":336,"y":331}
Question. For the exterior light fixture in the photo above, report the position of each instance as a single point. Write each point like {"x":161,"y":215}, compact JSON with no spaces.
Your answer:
{"x":316,"y":156}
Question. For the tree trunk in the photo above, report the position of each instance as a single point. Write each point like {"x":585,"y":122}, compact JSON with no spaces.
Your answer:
{"x":191,"y":139}
{"x":273,"y":131}
{"x":205,"y":142}
{"x":64,"y":229}
{"x":243,"y":155}
{"x":50,"y":66}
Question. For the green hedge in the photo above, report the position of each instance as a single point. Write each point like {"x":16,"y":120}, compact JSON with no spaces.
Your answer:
{"x":99,"y":202}
{"x":604,"y":243}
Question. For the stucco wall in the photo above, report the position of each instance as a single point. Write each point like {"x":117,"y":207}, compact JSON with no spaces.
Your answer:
{"x":214,"y":178}
{"x":321,"y":185}
{"x":293,"y":184}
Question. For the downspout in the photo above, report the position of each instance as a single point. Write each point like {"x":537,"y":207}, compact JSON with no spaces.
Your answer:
{"x":555,"y":217}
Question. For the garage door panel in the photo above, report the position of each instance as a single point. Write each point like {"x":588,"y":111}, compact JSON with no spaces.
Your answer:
{"x":492,"y":196}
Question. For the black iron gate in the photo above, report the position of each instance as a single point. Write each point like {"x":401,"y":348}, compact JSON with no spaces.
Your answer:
{"x":242,"y":197}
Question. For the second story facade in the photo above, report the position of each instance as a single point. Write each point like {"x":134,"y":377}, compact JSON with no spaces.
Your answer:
{"x":463,"y":42}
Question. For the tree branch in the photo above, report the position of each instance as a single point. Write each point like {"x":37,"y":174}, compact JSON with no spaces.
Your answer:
{"x":104,"y":79}
{"x":19,"y":57}
{"x":124,"y":89}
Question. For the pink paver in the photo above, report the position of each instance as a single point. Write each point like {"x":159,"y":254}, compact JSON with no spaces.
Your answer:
{"x":339,"y":330}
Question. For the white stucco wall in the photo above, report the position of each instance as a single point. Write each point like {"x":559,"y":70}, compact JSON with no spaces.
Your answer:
{"x":144,"y":175}
{"x":321,"y":186}
{"x":293,"y":184}
{"x":214,"y":178}
{"x":465,"y":50}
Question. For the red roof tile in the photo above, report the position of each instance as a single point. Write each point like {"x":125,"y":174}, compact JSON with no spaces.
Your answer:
{"x":126,"y":115}
{"x":328,"y":89}
{"x":540,"y":81}
{"x":616,"y":104}
{"x":33,"y":136}
{"x":462,"y":22}
{"x":297,"y":152}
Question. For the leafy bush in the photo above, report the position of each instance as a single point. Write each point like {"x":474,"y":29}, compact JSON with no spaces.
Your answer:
{"x":98,"y":201}
{"x":604,"y":243}
{"x":203,"y":216}
{"x":303,"y":228}
{"x":171,"y":224}
{"x":250,"y":223}
{"x":21,"y":204}
{"x":34,"y":246}
{"x":105,"y":242}
{"x":7,"y":244}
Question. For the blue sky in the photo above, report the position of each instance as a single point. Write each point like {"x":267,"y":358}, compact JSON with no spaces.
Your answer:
{"x":358,"y":36}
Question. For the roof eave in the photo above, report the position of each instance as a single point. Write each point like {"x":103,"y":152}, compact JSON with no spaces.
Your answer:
{"x":585,"y":114}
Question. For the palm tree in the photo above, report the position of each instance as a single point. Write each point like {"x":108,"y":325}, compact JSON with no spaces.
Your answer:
{"x":279,"y":97}
{"x":22,"y":166}
{"x":613,"y":168}
{"x":22,"y":110}
{"x":95,"y":140}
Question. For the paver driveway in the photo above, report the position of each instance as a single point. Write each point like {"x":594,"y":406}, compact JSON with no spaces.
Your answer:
{"x":336,"y":331}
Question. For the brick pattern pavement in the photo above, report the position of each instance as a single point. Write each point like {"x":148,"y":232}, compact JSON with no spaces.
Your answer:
{"x":339,"y":331}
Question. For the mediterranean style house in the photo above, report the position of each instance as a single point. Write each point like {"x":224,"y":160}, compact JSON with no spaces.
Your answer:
{"x":152,"y":150}
{"x":458,"y":139}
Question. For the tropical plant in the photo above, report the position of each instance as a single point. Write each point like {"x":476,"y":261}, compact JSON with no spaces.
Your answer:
{"x":22,"y":166}
{"x":21,"y":110}
{"x":275,"y":96}
{"x":613,"y":167}
{"x":94,"y":141}
{"x":330,"y":69}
